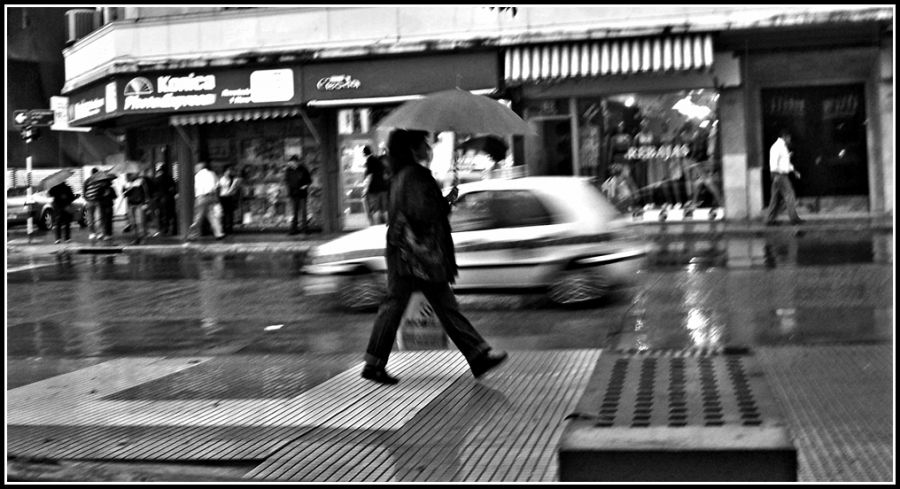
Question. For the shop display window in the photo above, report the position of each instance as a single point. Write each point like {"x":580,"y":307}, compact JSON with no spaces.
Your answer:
{"x":653,"y":150}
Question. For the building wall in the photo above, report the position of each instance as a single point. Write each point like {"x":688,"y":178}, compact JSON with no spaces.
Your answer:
{"x":798,"y":68}
{"x":340,"y":31}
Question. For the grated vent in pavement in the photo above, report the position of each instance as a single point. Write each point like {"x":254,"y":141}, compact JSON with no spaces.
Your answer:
{"x":838,"y":401}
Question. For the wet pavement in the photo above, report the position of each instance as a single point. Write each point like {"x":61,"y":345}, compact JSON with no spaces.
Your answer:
{"x":278,"y":333}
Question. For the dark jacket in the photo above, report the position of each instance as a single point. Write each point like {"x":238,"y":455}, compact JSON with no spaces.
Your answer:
{"x":417,"y":204}
{"x":297,"y":180}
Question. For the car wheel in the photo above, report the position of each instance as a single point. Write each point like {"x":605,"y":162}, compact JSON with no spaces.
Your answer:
{"x":579,"y":286}
{"x":46,"y":220}
{"x":362,"y":292}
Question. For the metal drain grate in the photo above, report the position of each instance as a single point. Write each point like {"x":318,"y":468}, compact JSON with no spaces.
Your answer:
{"x":677,"y":392}
{"x":643,"y":417}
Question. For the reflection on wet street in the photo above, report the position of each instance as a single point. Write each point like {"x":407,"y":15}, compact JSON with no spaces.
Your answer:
{"x":710,"y":291}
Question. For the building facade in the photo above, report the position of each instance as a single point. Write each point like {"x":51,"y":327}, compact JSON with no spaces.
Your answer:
{"x":687,"y":99}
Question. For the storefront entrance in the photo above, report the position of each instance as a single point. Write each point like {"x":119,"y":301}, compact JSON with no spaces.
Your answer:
{"x":828,"y":132}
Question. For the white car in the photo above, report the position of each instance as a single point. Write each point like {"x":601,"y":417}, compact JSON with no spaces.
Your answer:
{"x":556,"y":234}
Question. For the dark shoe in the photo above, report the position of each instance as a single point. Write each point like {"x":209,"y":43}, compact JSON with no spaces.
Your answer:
{"x":797,"y":221}
{"x":379,"y":375}
{"x":487,"y":361}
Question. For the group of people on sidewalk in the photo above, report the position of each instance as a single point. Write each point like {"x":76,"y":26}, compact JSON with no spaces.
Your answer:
{"x":216,"y":199}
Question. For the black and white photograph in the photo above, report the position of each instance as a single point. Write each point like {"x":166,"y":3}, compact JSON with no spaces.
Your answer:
{"x":533,"y":244}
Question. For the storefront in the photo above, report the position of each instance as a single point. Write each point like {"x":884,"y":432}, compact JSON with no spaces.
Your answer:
{"x":247,"y":118}
{"x":357,"y":94}
{"x":640,"y":114}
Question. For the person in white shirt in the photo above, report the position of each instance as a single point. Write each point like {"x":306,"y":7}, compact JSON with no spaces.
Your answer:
{"x":780,"y":168}
{"x":206,"y":202}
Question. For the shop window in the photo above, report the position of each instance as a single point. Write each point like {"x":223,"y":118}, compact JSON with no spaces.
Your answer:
{"x":653,"y":150}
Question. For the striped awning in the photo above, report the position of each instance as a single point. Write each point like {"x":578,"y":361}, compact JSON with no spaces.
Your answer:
{"x":608,"y":57}
{"x":233,"y":116}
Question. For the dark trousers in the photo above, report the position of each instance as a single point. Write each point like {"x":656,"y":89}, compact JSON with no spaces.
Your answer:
{"x":229,"y":205}
{"x":298,"y":208}
{"x":106,"y":217}
{"x":782,"y":190}
{"x":445,"y":306}
{"x":166,"y":213}
{"x":62,"y":223}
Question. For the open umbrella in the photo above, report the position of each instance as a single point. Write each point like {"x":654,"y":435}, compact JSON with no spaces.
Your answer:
{"x":458,"y":111}
{"x":56,"y":179}
{"x":493,"y":146}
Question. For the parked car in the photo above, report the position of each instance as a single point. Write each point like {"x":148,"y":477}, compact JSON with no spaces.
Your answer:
{"x":17,"y":211}
{"x":556,"y":234}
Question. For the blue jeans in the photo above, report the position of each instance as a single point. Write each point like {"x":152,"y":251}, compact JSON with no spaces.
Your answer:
{"x":445,"y":306}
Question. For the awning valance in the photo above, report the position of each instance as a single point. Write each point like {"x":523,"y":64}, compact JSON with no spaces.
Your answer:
{"x":609,"y":57}
{"x":223,"y":116}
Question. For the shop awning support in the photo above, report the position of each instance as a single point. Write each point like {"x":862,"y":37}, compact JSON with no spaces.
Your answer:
{"x":186,"y":138}
{"x":310,"y":126}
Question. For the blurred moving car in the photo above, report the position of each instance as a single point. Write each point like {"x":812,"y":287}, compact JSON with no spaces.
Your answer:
{"x":556,"y":234}
{"x":41,"y":210}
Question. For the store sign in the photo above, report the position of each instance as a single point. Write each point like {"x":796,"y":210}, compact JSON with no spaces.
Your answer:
{"x":391,"y":77}
{"x":184,"y":92}
{"x":662,"y":152}
{"x":338,"y":82}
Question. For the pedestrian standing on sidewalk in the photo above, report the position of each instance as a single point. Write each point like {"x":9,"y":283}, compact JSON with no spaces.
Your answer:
{"x":62,"y":220}
{"x":206,"y":202}
{"x":420,"y":256}
{"x":780,"y":167}
{"x":297,"y":179}
{"x":376,"y":190}
{"x":229,"y":191}
{"x":166,"y":189}
{"x":136,"y":195}
{"x":92,"y":188}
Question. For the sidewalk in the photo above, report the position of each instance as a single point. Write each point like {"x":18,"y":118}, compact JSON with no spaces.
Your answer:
{"x":280,"y":241}
{"x":189,"y":419}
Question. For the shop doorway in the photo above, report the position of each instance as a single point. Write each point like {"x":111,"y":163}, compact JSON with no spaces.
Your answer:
{"x":828,"y":131}
{"x":552,"y":145}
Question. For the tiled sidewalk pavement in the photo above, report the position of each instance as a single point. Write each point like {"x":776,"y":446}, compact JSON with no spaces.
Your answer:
{"x":438,"y":424}
{"x":298,"y":418}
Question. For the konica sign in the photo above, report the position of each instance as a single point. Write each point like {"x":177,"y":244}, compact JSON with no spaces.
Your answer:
{"x":186,"y":91}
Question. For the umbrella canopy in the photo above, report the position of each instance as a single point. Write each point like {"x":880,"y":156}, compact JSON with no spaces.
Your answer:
{"x":56,"y":179}
{"x":458,"y":111}
{"x":493,"y":146}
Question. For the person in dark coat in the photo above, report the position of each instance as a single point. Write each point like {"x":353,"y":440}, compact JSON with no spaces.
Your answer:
{"x":166,"y":189}
{"x":62,"y":221}
{"x":420,"y":256}
{"x":297,"y":179}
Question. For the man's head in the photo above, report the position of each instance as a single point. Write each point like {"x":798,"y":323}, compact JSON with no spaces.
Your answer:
{"x":293,"y":160}
{"x":367,"y":151}
{"x":785,"y":134}
{"x":94,"y":170}
{"x":199,"y":166}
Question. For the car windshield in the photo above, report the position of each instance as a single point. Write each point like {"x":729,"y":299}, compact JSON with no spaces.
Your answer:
{"x":499,"y":209}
